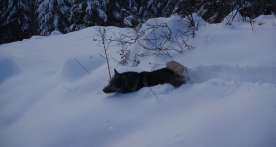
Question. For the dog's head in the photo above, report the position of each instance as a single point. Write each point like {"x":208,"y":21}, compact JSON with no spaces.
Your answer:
{"x":116,"y":83}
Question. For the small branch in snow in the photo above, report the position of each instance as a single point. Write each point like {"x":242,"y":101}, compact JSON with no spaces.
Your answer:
{"x":66,"y":88}
{"x":156,"y":64}
{"x":161,"y":43}
{"x":82,"y":66}
{"x":104,"y":42}
{"x":150,"y":89}
{"x":153,"y":93}
{"x":252,"y":24}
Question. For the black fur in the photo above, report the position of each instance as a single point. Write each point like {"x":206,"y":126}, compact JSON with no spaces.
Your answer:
{"x":132,"y":81}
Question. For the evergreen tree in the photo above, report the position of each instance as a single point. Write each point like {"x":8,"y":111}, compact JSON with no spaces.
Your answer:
{"x":115,"y":12}
{"x":255,"y":8}
{"x":120,"y":12}
{"x":15,"y":20}
{"x":85,"y":13}
{"x":147,"y":9}
{"x":77,"y":14}
{"x":141,"y":10}
{"x":2,"y":35}
{"x":34,"y":25}
{"x":166,"y":8}
{"x":53,"y":15}
{"x":214,"y":11}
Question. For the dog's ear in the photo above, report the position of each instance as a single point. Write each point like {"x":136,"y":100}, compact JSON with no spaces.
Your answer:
{"x":116,"y":72}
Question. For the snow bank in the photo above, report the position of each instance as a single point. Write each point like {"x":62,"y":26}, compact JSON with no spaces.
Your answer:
{"x":269,"y":20}
{"x":8,"y":68}
{"x":75,"y":67}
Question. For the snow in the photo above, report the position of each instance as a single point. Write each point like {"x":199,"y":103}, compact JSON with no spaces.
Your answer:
{"x":48,"y":99}
{"x":56,"y":33}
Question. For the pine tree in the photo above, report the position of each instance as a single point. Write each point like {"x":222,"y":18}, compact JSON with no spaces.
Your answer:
{"x":85,"y":13}
{"x":2,"y":35}
{"x":34,"y":25}
{"x":214,"y":11}
{"x":255,"y":8}
{"x":120,"y":12}
{"x":115,"y":13}
{"x":77,"y":14}
{"x":146,"y":9}
{"x":154,"y":8}
{"x":53,"y":15}
{"x":166,"y":8}
{"x":15,"y":20}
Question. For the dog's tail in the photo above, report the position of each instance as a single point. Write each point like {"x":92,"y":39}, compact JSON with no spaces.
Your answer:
{"x":177,"y":68}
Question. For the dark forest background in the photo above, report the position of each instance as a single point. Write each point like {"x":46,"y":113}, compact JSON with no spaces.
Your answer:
{"x":20,"y":19}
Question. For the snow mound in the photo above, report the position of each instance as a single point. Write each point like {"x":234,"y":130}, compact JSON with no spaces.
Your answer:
{"x":37,"y":37}
{"x":55,"y":33}
{"x":8,"y":68}
{"x":266,"y":19}
{"x":72,"y":69}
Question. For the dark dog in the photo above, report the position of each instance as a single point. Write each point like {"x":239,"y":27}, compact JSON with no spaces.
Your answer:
{"x":174,"y":73}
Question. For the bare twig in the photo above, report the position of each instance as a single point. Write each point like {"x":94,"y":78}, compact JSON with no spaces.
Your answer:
{"x":156,"y":64}
{"x":104,"y":42}
{"x":66,"y":88}
{"x":82,"y":66}
{"x":162,"y":43}
{"x":252,"y":23}
{"x":153,"y":92}
{"x":157,"y":38}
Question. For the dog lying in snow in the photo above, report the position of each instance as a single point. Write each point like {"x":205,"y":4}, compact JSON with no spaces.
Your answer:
{"x":174,"y":73}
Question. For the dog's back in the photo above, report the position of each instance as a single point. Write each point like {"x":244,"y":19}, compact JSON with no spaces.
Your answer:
{"x":174,"y":74}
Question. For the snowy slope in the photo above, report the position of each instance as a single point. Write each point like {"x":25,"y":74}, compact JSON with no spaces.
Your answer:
{"x":48,"y":100}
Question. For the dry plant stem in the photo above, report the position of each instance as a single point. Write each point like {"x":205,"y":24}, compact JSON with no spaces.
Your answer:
{"x":82,"y":66}
{"x":107,"y":61}
{"x":66,"y":88}
{"x":156,"y":64}
{"x":252,"y":24}
{"x":104,"y":42}
{"x":159,"y":44}
{"x":235,"y":15}
{"x":150,"y":89}
{"x":164,"y":42}
{"x":124,"y":41}
{"x":153,"y":92}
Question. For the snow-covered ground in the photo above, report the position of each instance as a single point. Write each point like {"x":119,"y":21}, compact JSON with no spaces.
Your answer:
{"x":48,"y":100}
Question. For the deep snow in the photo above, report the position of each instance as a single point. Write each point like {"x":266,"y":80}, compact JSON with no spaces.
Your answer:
{"x":47,"y":99}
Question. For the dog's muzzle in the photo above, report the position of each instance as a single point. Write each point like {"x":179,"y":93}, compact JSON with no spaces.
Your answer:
{"x":108,"y":89}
